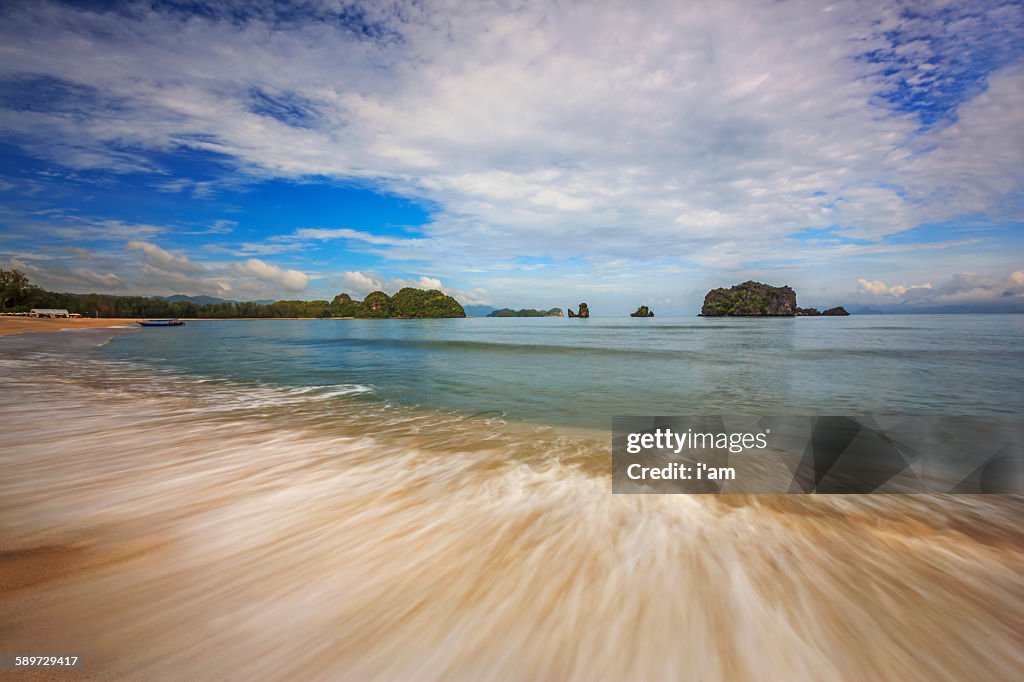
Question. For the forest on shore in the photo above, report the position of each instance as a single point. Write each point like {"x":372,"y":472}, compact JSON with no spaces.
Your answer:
{"x":18,"y":294}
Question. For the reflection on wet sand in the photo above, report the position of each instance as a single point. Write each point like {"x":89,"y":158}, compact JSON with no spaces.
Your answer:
{"x":173,"y":530}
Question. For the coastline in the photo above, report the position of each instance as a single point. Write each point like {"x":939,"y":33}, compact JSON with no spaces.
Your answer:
{"x":410,"y":527}
{"x":22,"y":325}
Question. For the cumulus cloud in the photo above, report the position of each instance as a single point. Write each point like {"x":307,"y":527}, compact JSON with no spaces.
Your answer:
{"x":361,"y":283}
{"x":165,"y":260}
{"x":292,"y":280}
{"x":627,"y":128}
{"x":879,"y":287}
{"x":960,"y":288}
{"x":147,"y":269}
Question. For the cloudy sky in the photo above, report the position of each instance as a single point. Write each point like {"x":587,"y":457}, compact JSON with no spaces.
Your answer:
{"x":517,"y":153}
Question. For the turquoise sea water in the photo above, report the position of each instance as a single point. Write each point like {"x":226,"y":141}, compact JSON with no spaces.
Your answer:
{"x":332,"y":499}
{"x":582,"y":372}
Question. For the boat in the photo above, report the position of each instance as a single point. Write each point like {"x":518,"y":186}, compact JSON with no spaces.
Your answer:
{"x":174,"y":322}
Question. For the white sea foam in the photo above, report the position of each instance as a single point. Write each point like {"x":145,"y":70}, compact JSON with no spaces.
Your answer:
{"x":197,"y":528}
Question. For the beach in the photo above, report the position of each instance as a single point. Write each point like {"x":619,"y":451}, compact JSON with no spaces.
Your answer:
{"x":21,"y":325}
{"x":167,"y":524}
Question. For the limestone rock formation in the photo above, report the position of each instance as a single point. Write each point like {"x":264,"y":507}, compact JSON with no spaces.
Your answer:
{"x":642,"y":311}
{"x":525,"y":312}
{"x":807,"y":312}
{"x":407,"y":303}
{"x":837,"y":311}
{"x":750,"y":299}
{"x":584,"y":311}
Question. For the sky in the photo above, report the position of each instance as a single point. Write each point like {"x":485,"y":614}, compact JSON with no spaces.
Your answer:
{"x":519,"y":154}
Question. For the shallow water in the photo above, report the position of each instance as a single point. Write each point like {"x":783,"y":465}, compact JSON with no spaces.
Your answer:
{"x":167,"y":520}
{"x":582,"y":372}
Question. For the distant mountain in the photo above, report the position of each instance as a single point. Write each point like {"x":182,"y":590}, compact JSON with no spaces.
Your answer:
{"x":479,"y":310}
{"x":526,"y":312}
{"x":978,"y":308}
{"x":208,"y":300}
{"x":198,"y":300}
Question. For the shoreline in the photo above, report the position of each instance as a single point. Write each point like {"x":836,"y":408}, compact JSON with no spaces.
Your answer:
{"x":21,"y":325}
{"x":200,"y":503}
{"x":10,"y":325}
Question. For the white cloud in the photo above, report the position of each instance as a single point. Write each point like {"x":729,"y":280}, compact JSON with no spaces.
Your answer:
{"x":966,"y":287}
{"x":421,"y":282}
{"x":359,"y":284}
{"x":880,"y":288}
{"x":700,"y":133}
{"x":109,"y":280}
{"x":625,"y":128}
{"x":326,"y":234}
{"x":198,"y":190}
{"x":363,"y":283}
{"x":292,"y":280}
{"x":165,"y":260}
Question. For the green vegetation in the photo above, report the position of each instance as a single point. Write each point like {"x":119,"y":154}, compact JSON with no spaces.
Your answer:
{"x":14,"y":288}
{"x":407,"y":303}
{"x":750,"y":299}
{"x":19,"y":295}
{"x":642,"y":311}
{"x":526,"y":312}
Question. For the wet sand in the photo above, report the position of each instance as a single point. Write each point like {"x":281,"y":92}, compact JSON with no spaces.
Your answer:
{"x":213,"y":531}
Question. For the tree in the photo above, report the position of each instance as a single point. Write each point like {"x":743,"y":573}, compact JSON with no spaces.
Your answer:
{"x":14,"y":287}
{"x":377,"y":304}
{"x":410,"y":302}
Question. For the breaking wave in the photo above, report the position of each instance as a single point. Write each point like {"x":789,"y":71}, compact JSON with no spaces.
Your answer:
{"x":179,"y":527}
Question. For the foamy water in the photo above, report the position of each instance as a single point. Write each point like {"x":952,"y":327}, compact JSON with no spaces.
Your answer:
{"x":189,"y":527}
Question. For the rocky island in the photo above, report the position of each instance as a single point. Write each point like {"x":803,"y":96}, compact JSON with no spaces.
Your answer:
{"x":755,"y":299}
{"x":525,"y":312}
{"x":408,"y":303}
{"x":642,"y":311}
{"x":584,"y":311}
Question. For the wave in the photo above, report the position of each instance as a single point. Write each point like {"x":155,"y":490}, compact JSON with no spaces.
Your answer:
{"x":310,"y":533}
{"x":501,"y":347}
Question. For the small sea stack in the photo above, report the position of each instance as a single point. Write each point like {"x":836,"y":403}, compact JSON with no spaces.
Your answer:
{"x":584,"y":311}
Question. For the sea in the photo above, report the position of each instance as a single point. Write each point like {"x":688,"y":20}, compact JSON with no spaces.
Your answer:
{"x":431,"y":499}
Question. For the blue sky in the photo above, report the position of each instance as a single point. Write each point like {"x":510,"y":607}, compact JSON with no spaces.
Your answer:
{"x":524,"y":155}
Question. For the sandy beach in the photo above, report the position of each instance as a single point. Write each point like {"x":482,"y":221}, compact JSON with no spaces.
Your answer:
{"x":21,"y":325}
{"x":168,"y":526}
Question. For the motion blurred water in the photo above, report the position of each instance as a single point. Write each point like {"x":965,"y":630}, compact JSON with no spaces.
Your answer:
{"x":349,"y":500}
